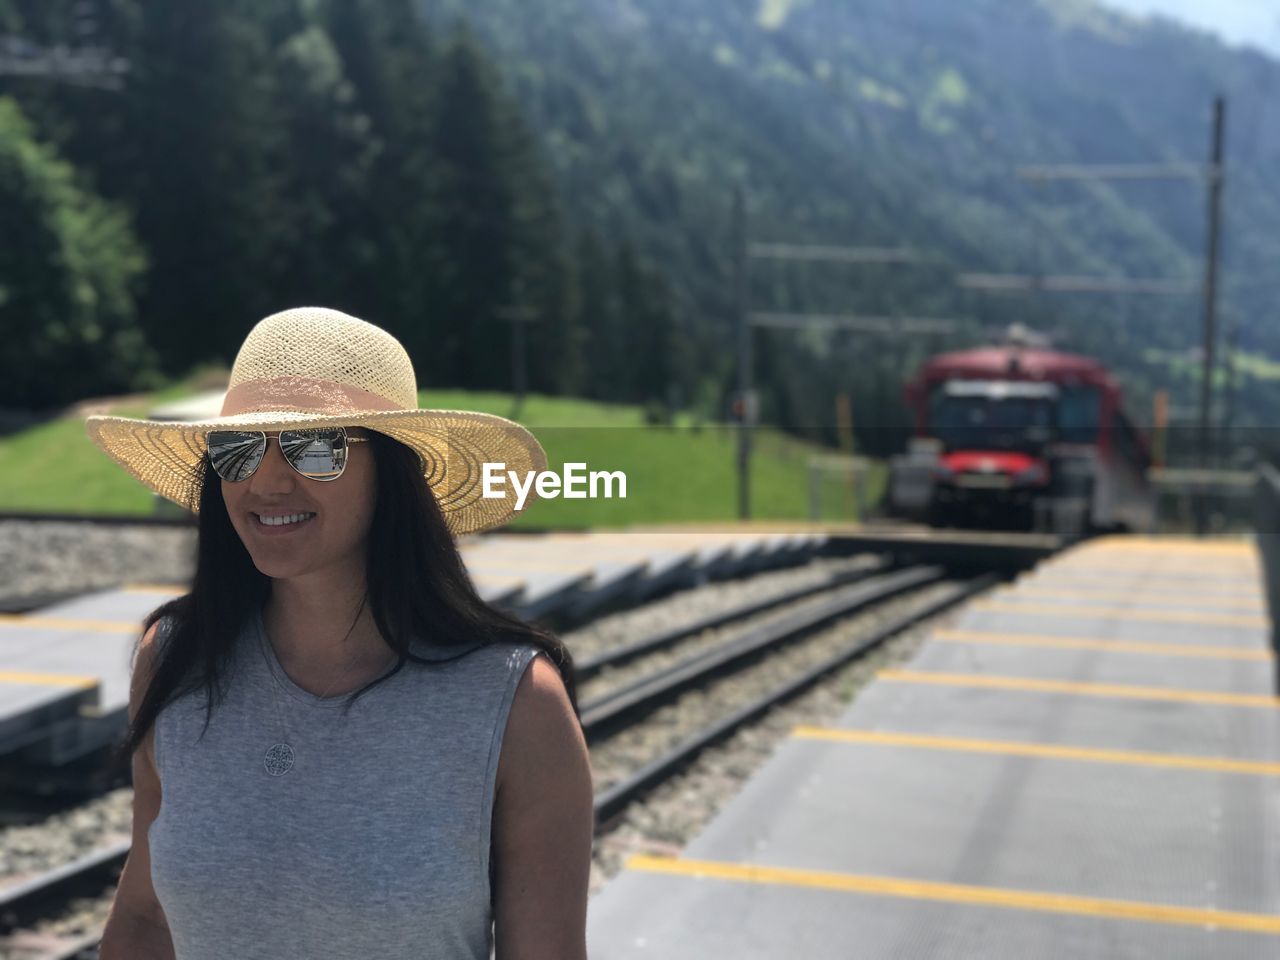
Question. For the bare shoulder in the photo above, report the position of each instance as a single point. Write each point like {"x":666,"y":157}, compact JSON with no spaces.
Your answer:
{"x":135,"y":896}
{"x":541,"y":727}
{"x":544,"y":764}
{"x":148,"y":649}
{"x":543,"y":823}
{"x":144,"y":665}
{"x":146,"y":658}
{"x":541,"y":689}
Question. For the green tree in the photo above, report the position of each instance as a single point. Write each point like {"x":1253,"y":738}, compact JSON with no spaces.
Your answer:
{"x":475,"y":197}
{"x":654,"y":348}
{"x":390,"y":61}
{"x":66,"y":270}
{"x":328,"y":246}
{"x":604,"y":351}
{"x":210,"y":155}
{"x":545,"y":274}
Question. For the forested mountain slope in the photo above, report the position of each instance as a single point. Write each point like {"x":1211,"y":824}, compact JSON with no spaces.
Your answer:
{"x":902,"y":122}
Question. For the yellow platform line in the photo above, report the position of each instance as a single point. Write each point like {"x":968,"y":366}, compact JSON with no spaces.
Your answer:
{"x":168,"y":589}
{"x":1242,"y":541}
{"x":1170,"y":555}
{"x":1138,"y":595}
{"x":1214,"y":577}
{"x":1201,"y":584}
{"x":69,"y":623}
{"x":960,"y":893}
{"x":1086,"y":585}
{"x":1040,"y":750}
{"x":1125,"y":691}
{"x":1165,"y":560}
{"x":1120,"y":613}
{"x":1173,"y":548}
{"x":47,"y":679}
{"x":1049,"y":641}
{"x":1209,"y":570}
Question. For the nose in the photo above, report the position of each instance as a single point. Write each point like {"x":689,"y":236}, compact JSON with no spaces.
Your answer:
{"x":274,"y":476}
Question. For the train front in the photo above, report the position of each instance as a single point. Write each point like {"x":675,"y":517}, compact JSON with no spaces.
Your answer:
{"x":991,"y":464}
{"x":1015,"y":437}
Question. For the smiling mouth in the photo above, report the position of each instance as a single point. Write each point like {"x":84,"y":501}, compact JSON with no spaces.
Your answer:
{"x":288,"y":520}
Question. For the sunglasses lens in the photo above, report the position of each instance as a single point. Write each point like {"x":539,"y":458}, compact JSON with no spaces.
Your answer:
{"x":318,"y":454}
{"x":234,"y":454}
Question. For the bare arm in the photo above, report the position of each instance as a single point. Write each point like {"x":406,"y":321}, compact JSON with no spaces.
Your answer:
{"x":543,"y":823}
{"x":136,"y":928}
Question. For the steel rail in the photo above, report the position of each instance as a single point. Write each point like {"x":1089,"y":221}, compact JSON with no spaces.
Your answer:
{"x":611,"y":801}
{"x":606,"y":710}
{"x":590,"y":666}
{"x":25,"y":900}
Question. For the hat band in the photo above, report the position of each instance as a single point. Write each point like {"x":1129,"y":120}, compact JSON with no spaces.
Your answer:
{"x":303,"y":395}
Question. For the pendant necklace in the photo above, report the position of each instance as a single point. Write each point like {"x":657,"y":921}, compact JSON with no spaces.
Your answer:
{"x":279,"y":757}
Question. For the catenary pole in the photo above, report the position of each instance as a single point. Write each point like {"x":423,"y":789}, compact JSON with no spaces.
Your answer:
{"x":744,"y":352}
{"x":1211,"y":282}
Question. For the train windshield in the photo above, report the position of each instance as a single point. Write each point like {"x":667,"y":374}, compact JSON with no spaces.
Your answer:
{"x":1079,"y":411}
{"x":997,"y":415}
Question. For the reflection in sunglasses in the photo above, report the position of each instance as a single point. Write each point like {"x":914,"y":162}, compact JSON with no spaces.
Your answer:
{"x":315,"y":454}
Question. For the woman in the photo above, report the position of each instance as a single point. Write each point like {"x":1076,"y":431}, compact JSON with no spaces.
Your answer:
{"x":358,"y":757}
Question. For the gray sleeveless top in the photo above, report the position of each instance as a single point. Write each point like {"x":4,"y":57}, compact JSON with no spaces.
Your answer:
{"x":376,"y":842}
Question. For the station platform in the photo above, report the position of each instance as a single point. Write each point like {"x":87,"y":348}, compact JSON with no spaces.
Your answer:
{"x":65,"y":667}
{"x":1085,"y":763}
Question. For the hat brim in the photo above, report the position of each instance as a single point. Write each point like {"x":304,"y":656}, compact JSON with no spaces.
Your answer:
{"x":165,"y":455}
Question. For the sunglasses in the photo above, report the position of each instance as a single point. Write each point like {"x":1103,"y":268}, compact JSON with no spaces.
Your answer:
{"x":318,"y":454}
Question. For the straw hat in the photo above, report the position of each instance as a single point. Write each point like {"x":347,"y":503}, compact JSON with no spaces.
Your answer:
{"x":318,"y":367}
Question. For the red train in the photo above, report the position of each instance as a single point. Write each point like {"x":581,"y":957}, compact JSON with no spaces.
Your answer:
{"x":1017,"y":437}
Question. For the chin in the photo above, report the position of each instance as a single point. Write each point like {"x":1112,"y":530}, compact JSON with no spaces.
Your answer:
{"x":277,"y":568}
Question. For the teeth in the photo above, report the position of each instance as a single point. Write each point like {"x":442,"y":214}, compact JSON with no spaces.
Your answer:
{"x":281,"y":521}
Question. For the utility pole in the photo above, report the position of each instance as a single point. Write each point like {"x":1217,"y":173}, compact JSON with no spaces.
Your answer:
{"x":746,"y":319}
{"x":745,"y":403}
{"x":1211,"y":281}
{"x":1211,"y":175}
{"x":1229,"y":363}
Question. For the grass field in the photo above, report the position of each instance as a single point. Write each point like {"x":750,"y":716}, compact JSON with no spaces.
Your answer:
{"x":1185,"y":366}
{"x":685,"y":472}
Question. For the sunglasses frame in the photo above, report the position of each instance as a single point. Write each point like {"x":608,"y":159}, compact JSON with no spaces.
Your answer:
{"x":347,"y":438}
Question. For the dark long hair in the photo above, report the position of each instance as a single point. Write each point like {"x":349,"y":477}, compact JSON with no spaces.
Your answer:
{"x":418,"y":587}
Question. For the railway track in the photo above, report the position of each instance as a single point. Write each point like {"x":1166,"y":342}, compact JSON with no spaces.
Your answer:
{"x":631,"y":699}
{"x":916,"y":593}
{"x":588,"y":667}
{"x":93,"y":875}
{"x":699,"y":683}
